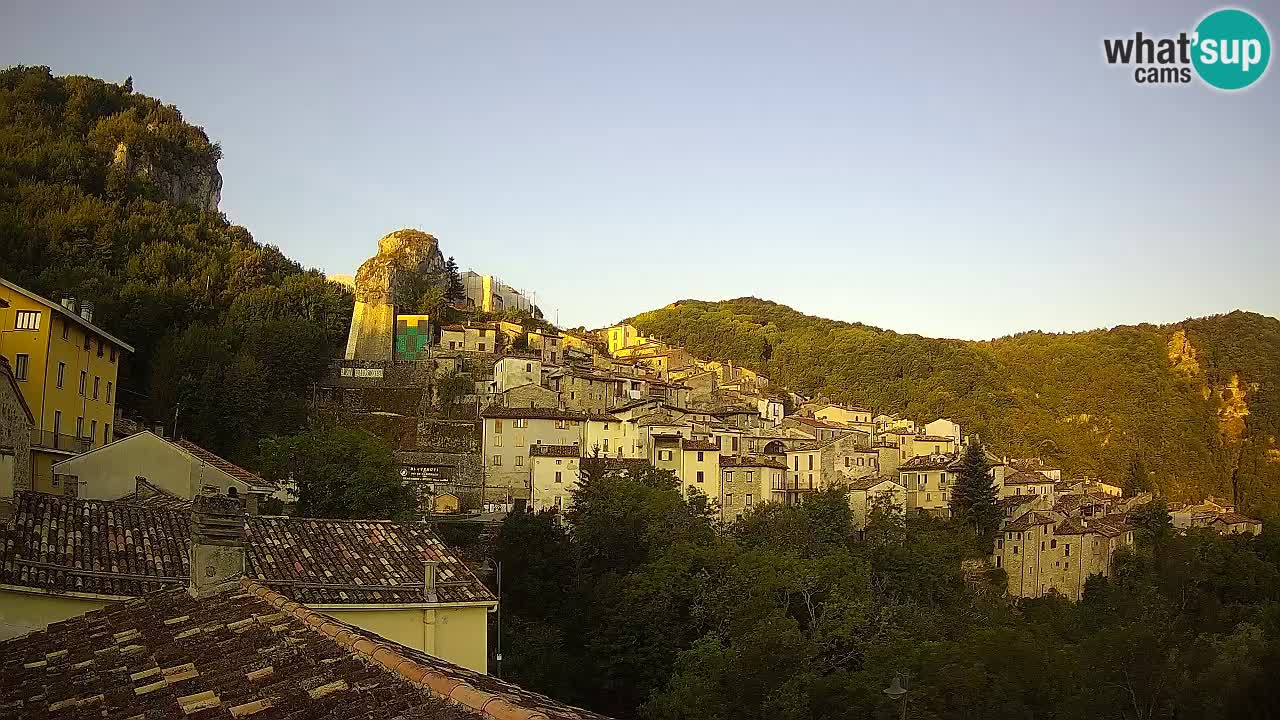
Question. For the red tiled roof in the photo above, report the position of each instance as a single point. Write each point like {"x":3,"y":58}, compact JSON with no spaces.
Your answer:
{"x":225,"y":466}
{"x":116,"y":548}
{"x":1026,"y":478}
{"x":247,"y":650}
{"x":699,"y":445}
{"x":1232,"y":518}
{"x":320,"y":561}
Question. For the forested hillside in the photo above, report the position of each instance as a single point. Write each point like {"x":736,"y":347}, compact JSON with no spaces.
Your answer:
{"x":1197,"y":402}
{"x":110,"y":196}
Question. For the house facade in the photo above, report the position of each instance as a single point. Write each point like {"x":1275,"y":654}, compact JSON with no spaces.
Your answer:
{"x":67,"y":369}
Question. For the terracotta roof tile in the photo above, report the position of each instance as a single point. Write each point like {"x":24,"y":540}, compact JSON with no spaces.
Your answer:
{"x":497,"y":411}
{"x":117,"y":548}
{"x":237,"y":653}
{"x":1026,"y":478}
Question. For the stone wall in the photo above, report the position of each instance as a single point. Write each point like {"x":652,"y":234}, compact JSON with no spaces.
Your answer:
{"x":15,"y":433}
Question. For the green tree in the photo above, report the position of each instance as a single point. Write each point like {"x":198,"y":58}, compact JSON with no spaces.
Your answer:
{"x":339,"y":473}
{"x":1137,"y":478}
{"x":973,"y":497}
{"x":455,"y":291}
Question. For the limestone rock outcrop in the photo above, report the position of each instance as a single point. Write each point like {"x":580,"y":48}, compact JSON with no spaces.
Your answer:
{"x":198,"y":188}
{"x":386,"y":282}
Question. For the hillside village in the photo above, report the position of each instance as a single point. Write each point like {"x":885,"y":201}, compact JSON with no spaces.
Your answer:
{"x":490,"y":413}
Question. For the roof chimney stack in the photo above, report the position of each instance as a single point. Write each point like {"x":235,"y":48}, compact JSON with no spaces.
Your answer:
{"x":430,"y":581}
{"x":86,"y":310}
{"x":69,"y":303}
{"x":217,"y":544}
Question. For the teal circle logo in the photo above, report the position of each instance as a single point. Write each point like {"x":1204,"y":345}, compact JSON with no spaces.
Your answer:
{"x":1231,"y":49}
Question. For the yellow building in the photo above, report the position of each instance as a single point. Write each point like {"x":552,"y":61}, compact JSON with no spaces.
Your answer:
{"x":621,"y":336}
{"x":875,"y":492}
{"x":452,"y":337}
{"x":398,"y":580}
{"x":1045,"y":553}
{"x":507,"y":436}
{"x":1025,"y":483}
{"x":67,"y":368}
{"x":929,"y":481}
{"x":846,"y":415}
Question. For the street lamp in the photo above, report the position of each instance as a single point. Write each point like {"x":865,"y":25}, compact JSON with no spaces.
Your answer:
{"x":897,"y":690}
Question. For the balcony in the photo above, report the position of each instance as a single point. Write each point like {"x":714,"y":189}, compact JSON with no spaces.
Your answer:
{"x":49,"y":440}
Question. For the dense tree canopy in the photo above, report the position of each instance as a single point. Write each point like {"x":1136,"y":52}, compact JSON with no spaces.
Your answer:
{"x":1167,"y":395}
{"x":339,"y":473}
{"x":639,"y":605}
{"x":230,"y":334}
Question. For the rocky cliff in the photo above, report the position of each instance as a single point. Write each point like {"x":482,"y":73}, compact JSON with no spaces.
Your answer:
{"x":193,"y":186}
{"x":408,"y":261}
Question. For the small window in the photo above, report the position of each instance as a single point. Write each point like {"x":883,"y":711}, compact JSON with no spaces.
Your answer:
{"x":79,"y":427}
{"x":997,"y":561}
{"x":497,"y":441}
{"x":699,"y":458}
{"x":21,"y":366}
{"x":97,"y":382}
{"x":66,"y":330}
{"x":26,"y":320}
{"x":1066,"y":549}
{"x":87,"y":341}
{"x":497,"y":460}
{"x":528,"y":367}
{"x":62,"y":373}
{"x":108,"y":392}
{"x":106,"y":433}
{"x":84,"y":381}
{"x":699,"y":476}
{"x":728,"y":499}
{"x":113,"y":354}
{"x":519,"y":461}
{"x":558,"y":476}
{"x":1015,"y":549}
{"x":748,"y":500}
{"x":99,"y":347}
{"x":1053,"y":543}
{"x":559,"y":502}
{"x":481,"y":347}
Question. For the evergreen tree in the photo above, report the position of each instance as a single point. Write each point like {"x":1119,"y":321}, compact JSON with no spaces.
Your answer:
{"x":973,"y":498}
{"x":455,"y":291}
{"x":1137,"y":478}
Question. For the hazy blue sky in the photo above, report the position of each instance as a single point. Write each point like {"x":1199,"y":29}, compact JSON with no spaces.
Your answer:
{"x":951,"y":169}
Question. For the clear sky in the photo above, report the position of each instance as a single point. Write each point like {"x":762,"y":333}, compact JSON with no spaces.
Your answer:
{"x":951,"y":169}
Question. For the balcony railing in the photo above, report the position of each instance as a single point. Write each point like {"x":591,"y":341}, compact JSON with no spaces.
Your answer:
{"x":49,"y":440}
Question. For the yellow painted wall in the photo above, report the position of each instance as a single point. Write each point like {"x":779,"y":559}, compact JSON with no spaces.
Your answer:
{"x":25,"y":612}
{"x":110,"y":472}
{"x":46,"y":349}
{"x":459,"y":635}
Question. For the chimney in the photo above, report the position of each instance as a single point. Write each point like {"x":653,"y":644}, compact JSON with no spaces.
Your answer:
{"x":430,"y":584}
{"x":69,"y":303}
{"x":86,"y":310}
{"x":217,"y":544}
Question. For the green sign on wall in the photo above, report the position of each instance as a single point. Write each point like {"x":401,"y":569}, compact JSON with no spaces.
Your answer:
{"x":413,"y":336}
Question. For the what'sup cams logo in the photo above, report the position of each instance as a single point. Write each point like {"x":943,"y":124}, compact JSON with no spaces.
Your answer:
{"x":1229,"y":50}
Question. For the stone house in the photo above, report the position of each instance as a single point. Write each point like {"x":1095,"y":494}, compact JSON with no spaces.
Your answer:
{"x":1047,"y":552}
{"x":884,"y":492}
{"x":548,"y":346}
{"x":746,"y":481}
{"x":515,"y":370}
{"x":16,"y":422}
{"x":831,"y":461}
